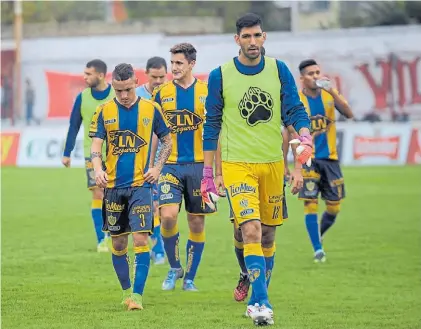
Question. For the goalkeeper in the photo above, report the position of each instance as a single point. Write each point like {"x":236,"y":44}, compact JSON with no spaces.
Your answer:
{"x":248,"y":99}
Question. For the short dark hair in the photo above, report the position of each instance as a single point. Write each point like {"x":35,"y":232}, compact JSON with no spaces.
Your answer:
{"x":185,"y":48}
{"x":306,"y":63}
{"x":156,"y":63}
{"x":98,"y":65}
{"x":248,"y":20}
{"x":262,"y":51}
{"x":123,"y":72}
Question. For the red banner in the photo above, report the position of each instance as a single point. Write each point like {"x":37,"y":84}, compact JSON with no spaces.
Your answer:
{"x":9,"y":148}
{"x":376,"y":146}
{"x":414,"y":151}
{"x":64,"y":87}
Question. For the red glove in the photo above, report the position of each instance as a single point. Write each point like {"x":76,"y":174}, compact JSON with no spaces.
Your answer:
{"x":305,"y":149}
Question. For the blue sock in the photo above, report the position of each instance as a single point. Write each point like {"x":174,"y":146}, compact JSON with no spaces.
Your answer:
{"x":195,"y":246}
{"x":171,"y":242}
{"x":96,"y":211}
{"x":141,"y":268}
{"x":256,"y":266}
{"x":121,"y":267}
{"x":313,"y":231}
{"x":158,"y":247}
{"x":269,"y":254}
{"x":239,"y":252}
{"x":327,"y":222}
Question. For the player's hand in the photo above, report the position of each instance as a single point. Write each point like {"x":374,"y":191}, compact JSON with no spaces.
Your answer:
{"x":325,"y":84}
{"x":305,"y":149}
{"x":66,"y":161}
{"x":207,"y":188}
{"x":296,"y":180}
{"x":101,"y":178}
{"x":287,"y":173}
{"x":220,"y":187}
{"x":152,"y":175}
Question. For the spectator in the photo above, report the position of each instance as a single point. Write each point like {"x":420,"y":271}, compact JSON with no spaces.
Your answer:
{"x":30,"y":101}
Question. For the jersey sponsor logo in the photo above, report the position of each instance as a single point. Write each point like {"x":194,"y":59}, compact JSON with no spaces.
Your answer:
{"x":182,"y":120}
{"x":246,"y":212}
{"x":275,"y":198}
{"x":113,"y":207}
{"x":109,"y":121}
{"x":241,"y":188}
{"x":320,"y":124}
{"x":167,"y":100}
{"x":125,"y":141}
{"x":141,"y":209}
{"x":256,"y":106}
{"x":168,"y":178}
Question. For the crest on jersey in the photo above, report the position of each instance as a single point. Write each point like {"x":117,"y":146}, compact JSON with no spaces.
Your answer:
{"x":146,"y":121}
{"x":165,"y":188}
{"x":244,"y":203}
{"x":320,"y":124}
{"x":256,"y":106}
{"x":125,"y":141}
{"x":112,"y":219}
{"x":183,"y":120}
{"x":202,"y":99}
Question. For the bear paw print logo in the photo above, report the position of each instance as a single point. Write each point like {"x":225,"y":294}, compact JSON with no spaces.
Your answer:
{"x":256,"y":106}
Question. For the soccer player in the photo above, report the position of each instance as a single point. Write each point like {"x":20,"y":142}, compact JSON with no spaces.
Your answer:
{"x":295,"y":180}
{"x":127,"y":124}
{"x":324,"y":176}
{"x":248,"y":99}
{"x":183,"y":105}
{"x":97,"y":93}
{"x":156,"y":71}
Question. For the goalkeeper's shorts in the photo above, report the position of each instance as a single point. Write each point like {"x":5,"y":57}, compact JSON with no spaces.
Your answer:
{"x":255,"y":191}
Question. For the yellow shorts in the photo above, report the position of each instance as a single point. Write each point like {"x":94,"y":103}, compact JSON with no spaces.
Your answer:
{"x":255,"y":191}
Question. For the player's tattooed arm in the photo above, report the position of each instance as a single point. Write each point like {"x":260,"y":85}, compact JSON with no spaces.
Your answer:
{"x":164,"y":154}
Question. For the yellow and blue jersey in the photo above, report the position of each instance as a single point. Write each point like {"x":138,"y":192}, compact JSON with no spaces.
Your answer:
{"x":321,"y":110}
{"x":128,"y":134}
{"x":184,"y":111}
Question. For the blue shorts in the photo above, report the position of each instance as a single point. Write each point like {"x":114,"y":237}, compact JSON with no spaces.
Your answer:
{"x":126,"y":210}
{"x":155,"y":192}
{"x":178,"y":180}
{"x":324,"y":177}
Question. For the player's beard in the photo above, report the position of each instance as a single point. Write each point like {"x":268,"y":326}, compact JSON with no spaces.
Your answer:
{"x":94,"y":83}
{"x":250,"y":56}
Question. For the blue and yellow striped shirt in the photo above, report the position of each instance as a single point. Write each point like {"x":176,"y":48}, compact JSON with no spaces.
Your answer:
{"x":184,"y":111}
{"x":321,"y":110}
{"x":128,"y":134}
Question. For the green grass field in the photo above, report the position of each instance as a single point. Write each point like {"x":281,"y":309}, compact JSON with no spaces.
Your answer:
{"x":52,"y":276}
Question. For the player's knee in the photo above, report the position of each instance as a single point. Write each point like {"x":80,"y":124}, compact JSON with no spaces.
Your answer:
{"x":140,"y":239}
{"x":311,"y":207}
{"x":251,"y":232}
{"x":333,"y":208}
{"x":97,"y":193}
{"x":196,"y":223}
{"x":268,"y":236}
{"x":119,"y":245}
{"x":168,"y":216}
{"x":237,"y":235}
